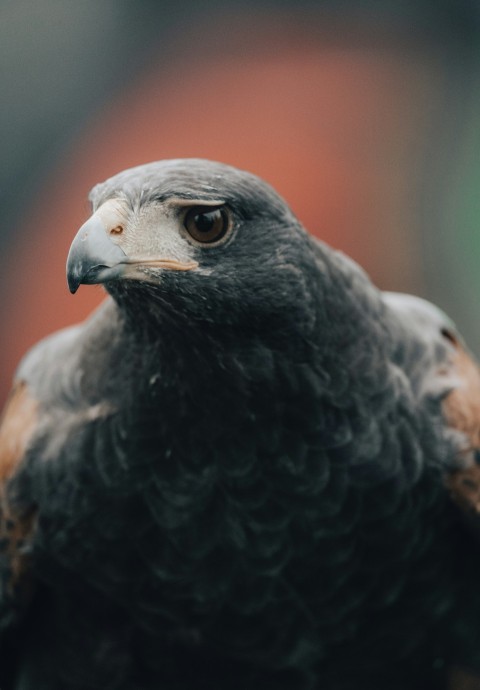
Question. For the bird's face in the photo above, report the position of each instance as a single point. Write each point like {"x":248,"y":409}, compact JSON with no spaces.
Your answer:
{"x":206,"y":239}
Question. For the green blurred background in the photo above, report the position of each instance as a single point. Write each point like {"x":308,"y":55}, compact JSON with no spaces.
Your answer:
{"x":364,"y":115}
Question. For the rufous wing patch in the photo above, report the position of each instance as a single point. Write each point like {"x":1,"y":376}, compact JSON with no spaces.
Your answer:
{"x":462,"y":405}
{"x":461,"y":408}
{"x":17,"y":427}
{"x":464,"y":487}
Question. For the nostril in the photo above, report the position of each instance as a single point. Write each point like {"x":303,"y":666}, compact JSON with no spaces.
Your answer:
{"x":117,"y":230}
{"x":448,"y":335}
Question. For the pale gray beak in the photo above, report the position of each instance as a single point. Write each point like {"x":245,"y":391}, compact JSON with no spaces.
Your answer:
{"x":93,"y":257}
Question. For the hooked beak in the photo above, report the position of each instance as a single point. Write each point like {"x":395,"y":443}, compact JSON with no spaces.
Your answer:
{"x":93,"y":257}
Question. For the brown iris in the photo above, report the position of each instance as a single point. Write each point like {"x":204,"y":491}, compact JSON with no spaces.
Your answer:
{"x":207,"y":225}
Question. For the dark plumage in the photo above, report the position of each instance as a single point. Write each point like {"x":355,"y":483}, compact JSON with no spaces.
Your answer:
{"x":238,"y":473}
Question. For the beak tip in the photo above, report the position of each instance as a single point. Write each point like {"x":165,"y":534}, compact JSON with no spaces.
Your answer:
{"x":73,"y":279}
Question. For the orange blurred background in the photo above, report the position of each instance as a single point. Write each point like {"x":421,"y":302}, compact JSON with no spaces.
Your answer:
{"x":363,"y":119}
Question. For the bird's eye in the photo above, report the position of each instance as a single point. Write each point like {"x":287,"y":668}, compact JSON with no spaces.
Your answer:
{"x":207,"y":225}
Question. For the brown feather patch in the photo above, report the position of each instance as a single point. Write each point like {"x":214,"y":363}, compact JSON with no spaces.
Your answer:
{"x":462,"y":413}
{"x":464,"y":486}
{"x":16,"y":533}
{"x":18,"y":425}
{"x":462,"y":405}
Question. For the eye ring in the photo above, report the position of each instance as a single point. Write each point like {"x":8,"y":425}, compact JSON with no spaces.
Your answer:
{"x":207,"y":225}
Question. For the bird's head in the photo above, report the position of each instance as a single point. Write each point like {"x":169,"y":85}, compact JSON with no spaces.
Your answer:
{"x":201,"y":238}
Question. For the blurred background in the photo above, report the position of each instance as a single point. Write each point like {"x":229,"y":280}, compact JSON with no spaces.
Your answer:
{"x":364,"y":115}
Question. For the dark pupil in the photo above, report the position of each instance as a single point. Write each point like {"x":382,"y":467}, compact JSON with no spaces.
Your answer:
{"x":204,"y":222}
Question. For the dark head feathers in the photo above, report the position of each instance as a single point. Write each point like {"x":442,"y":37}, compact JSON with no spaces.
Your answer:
{"x":265,"y":274}
{"x":192,"y":178}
